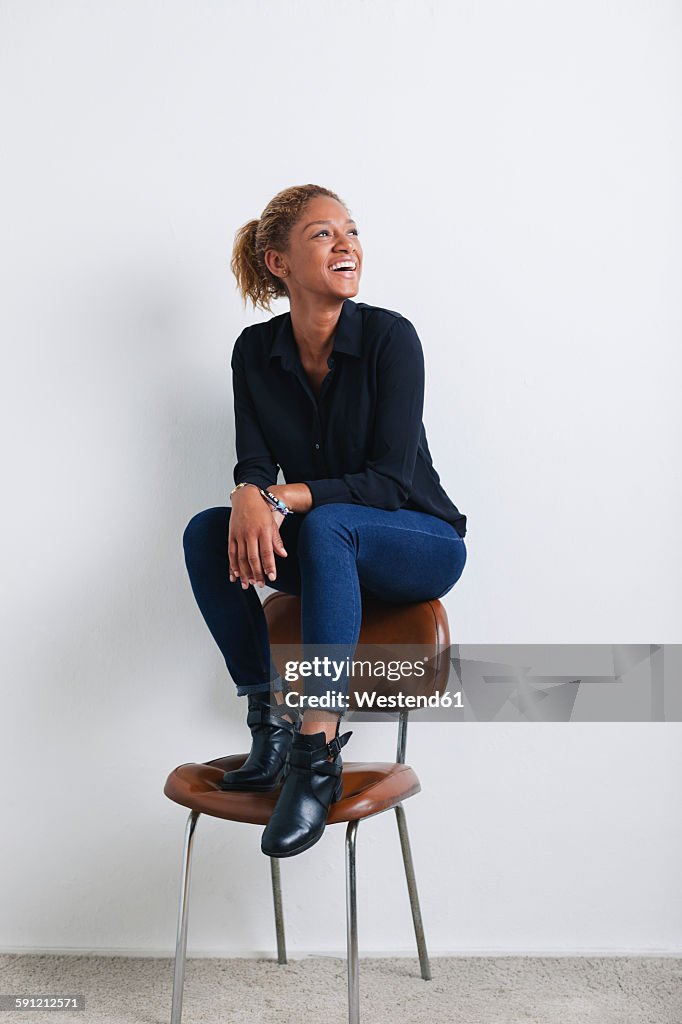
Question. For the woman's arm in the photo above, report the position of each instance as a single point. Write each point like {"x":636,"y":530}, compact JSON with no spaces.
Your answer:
{"x":253,"y":535}
{"x":255,"y":462}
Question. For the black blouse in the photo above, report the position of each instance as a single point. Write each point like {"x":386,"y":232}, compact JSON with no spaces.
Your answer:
{"x":363,"y":441}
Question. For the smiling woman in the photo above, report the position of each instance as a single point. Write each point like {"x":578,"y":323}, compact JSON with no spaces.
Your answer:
{"x":331,"y":392}
{"x":291,"y":254}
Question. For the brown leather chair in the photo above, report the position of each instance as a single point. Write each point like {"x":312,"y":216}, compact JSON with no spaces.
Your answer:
{"x":368,"y":787}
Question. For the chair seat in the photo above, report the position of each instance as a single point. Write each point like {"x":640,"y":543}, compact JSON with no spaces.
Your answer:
{"x":368,"y":788}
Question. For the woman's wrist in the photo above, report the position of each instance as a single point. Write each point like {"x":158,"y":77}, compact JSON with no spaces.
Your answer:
{"x":275,"y":502}
{"x":296,"y":496}
{"x":243,"y":488}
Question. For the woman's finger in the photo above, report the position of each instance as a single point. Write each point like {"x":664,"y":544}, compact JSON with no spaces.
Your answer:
{"x":243,"y":563}
{"x":233,"y":557}
{"x":266,"y":553}
{"x":253,"y":554}
{"x":278,"y":543}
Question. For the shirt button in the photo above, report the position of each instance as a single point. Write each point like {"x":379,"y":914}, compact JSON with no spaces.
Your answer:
{"x":316,"y":445}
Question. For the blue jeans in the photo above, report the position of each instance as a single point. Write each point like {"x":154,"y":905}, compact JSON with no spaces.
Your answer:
{"x":335,"y":553}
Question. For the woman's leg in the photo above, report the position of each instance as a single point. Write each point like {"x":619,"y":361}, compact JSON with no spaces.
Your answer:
{"x":335,"y":552}
{"x":235,"y":616}
{"x":346,"y":549}
{"x":343,"y":549}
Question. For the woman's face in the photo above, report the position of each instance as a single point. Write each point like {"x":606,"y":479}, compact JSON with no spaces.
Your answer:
{"x":323,"y":236}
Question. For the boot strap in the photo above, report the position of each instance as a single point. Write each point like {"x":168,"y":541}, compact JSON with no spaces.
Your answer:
{"x":280,"y":710}
{"x":264,"y":714}
{"x":310,"y":759}
{"x":296,"y":764}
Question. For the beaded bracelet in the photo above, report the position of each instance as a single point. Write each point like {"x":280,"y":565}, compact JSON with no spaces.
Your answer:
{"x":276,"y":503}
{"x":268,"y":496}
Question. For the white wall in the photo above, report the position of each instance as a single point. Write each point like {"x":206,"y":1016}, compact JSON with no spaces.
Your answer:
{"x":526,"y":158}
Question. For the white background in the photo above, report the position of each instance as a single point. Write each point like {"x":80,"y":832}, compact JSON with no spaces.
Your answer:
{"x":514,"y":169}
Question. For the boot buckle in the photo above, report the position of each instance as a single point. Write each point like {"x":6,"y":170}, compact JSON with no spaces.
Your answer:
{"x":335,"y":744}
{"x":334,"y":747}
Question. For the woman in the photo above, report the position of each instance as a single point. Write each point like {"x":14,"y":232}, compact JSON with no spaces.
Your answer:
{"x":332,"y":392}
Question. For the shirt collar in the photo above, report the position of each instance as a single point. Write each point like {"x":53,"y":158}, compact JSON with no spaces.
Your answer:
{"x":347,"y":337}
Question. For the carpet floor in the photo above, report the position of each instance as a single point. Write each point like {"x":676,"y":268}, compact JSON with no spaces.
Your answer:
{"x":463,"y":990}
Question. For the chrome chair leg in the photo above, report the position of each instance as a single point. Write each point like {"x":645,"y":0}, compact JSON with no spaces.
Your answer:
{"x":279,"y":915}
{"x":181,"y":943}
{"x":412,"y":889}
{"x":352,"y":926}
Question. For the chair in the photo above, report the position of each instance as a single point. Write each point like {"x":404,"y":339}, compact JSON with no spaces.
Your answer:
{"x":369,"y":788}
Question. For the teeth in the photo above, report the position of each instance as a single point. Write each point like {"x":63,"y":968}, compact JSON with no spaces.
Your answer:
{"x":346,"y":263}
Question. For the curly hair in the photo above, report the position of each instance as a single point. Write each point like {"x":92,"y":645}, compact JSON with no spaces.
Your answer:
{"x":271,"y":231}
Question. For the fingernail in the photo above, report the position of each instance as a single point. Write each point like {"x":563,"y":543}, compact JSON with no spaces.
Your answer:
{"x":271,"y":575}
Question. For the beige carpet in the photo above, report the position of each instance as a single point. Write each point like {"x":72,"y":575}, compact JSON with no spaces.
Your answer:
{"x":467,"y":990}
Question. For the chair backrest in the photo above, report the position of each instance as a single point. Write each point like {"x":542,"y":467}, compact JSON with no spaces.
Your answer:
{"x":418,"y":629}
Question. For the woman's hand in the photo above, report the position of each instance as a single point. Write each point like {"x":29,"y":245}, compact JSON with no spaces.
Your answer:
{"x":253,"y":538}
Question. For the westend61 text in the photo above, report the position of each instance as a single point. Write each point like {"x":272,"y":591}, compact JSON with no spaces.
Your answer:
{"x":371,"y":699}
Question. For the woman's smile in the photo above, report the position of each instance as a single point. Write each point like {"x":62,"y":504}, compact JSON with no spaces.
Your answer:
{"x":344,"y":267}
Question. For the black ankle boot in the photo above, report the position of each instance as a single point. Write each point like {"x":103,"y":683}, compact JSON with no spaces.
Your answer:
{"x":311,"y":785}
{"x":272,"y":739}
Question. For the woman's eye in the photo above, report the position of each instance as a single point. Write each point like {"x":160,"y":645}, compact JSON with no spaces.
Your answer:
{"x":324,"y":231}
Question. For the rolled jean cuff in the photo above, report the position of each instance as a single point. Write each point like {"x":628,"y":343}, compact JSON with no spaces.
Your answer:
{"x":274,"y":686}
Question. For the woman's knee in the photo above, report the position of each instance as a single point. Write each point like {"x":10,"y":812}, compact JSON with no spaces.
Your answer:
{"x":205,"y":525}
{"x":321,"y":523}
{"x":459,"y":569}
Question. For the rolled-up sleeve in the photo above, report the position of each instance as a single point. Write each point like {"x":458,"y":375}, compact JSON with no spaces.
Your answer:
{"x":255,"y":462}
{"x":386,"y":480}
